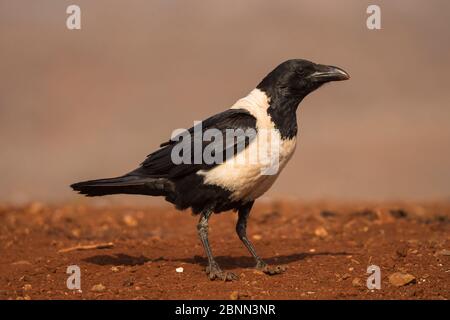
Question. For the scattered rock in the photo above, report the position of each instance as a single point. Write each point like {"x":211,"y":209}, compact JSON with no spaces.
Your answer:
{"x":130,"y":221}
{"x":76,"y":232}
{"x":27,"y":287}
{"x":115,"y":269}
{"x":384,"y":215}
{"x":413,"y":242}
{"x":321,"y":232}
{"x":234,"y":295}
{"x":350,"y":225}
{"x":25,"y":278}
{"x":98,"y":288}
{"x":21,"y":263}
{"x":357,"y":282}
{"x":155,"y":238}
{"x":399,"y":279}
{"x":443,"y":252}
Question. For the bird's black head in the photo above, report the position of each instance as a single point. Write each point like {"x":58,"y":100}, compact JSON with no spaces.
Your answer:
{"x":289,"y":83}
{"x":297,"y":78}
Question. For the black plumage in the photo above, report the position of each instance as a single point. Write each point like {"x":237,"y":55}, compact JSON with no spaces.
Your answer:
{"x":179,"y":184}
{"x":209,"y":188}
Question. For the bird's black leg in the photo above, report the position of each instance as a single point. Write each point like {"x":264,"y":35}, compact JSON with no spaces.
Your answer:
{"x":241,"y":230}
{"x":212,"y":270}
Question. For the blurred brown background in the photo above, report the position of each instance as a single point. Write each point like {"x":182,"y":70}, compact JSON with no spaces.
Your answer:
{"x":93,"y":103}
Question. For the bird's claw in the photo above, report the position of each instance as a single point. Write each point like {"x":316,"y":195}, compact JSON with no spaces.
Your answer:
{"x":214,"y":272}
{"x":270,"y":270}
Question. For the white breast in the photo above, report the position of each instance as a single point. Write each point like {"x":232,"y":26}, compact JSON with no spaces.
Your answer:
{"x":246,"y":178}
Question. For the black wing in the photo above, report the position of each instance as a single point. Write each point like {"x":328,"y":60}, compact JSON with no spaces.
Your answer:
{"x":160,"y":164}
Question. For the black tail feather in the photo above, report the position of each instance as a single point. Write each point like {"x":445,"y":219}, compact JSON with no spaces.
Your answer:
{"x":127,"y":184}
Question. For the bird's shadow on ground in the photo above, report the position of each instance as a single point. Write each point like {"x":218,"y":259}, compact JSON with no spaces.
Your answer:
{"x":118,"y":259}
{"x":226,"y":262}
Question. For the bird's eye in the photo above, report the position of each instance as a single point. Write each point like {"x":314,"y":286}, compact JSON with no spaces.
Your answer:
{"x":300,"y":73}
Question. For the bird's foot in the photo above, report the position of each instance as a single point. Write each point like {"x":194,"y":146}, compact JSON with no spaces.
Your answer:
{"x":270,"y":270}
{"x":214,"y":272}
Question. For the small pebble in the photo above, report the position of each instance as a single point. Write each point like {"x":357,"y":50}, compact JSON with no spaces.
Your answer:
{"x":321,"y":232}
{"x":98,"y":288}
{"x":444,"y":252}
{"x":357,"y":282}
{"x":130,"y":221}
{"x":27,"y":287}
{"x":399,"y":279}
{"x":115,"y":269}
{"x":234,"y":295}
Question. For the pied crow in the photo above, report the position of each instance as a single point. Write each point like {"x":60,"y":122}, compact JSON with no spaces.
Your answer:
{"x":213,"y":187}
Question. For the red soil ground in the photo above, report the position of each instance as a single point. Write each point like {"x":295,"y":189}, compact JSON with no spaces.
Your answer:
{"x":325,"y":246}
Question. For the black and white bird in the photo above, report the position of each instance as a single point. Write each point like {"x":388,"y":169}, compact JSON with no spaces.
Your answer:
{"x":209,"y":188}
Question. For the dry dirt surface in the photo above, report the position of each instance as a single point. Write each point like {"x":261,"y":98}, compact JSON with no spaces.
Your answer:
{"x":133,"y":252}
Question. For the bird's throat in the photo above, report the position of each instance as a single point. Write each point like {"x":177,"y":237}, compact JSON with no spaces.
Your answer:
{"x":283,"y":114}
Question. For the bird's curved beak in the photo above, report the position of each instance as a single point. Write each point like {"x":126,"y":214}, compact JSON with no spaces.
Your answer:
{"x":325,"y":73}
